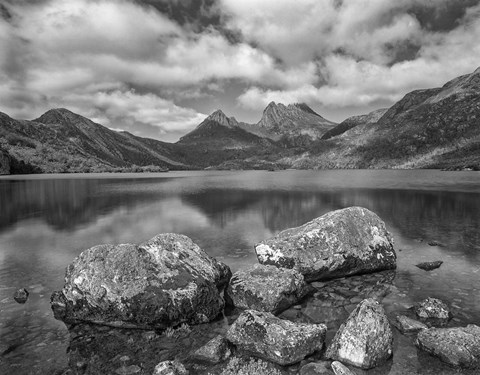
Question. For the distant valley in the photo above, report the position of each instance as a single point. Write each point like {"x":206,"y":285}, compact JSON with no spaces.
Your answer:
{"x":430,"y":128}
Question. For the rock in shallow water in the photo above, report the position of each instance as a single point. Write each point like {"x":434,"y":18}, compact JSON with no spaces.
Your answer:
{"x":263,"y":335}
{"x":345,"y":242}
{"x":456,"y":346}
{"x":21,"y":295}
{"x":408,"y":325}
{"x":365,"y":339}
{"x":432,"y":308}
{"x":266,"y":288}
{"x":162,"y":282}
{"x":214,"y":351}
{"x":170,"y":368}
{"x":429,"y":266}
{"x":340,"y":369}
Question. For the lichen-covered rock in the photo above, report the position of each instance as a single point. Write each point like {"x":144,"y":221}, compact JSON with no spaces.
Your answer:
{"x":345,"y":242}
{"x":214,"y":351}
{"x":365,"y":339}
{"x":163,"y":282}
{"x":432,"y":308}
{"x":340,"y":369}
{"x":408,"y":325}
{"x":170,"y":368}
{"x":21,"y":295}
{"x":263,"y":335}
{"x":266,"y":288}
{"x":456,"y":346}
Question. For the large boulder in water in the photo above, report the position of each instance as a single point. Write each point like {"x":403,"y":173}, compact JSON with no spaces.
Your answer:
{"x":266,"y":288}
{"x":263,"y":335}
{"x":340,"y":243}
{"x":365,"y":339}
{"x":456,"y":346}
{"x":163,"y":282}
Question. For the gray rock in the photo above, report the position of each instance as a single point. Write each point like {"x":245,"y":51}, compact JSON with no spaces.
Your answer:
{"x":340,"y":243}
{"x":21,"y":295}
{"x":214,"y":351}
{"x":429,"y":266}
{"x":436,"y":243}
{"x":314,"y":369}
{"x":170,"y":368}
{"x":365,"y":339}
{"x":456,"y":346}
{"x":266,"y":288}
{"x":340,"y":369}
{"x":408,"y":325}
{"x":163,"y":282}
{"x":263,"y":335}
{"x":432,"y":308}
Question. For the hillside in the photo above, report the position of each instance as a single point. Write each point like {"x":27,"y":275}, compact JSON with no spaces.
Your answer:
{"x":431,"y":128}
{"x":62,"y":141}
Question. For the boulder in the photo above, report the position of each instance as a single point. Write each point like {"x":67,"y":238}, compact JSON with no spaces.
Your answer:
{"x":408,"y":325}
{"x":432,"y":308}
{"x":21,"y":295}
{"x":340,"y":369}
{"x":170,"y":368}
{"x":263,"y":335}
{"x":365,"y":339}
{"x":163,"y":282}
{"x":266,"y":288}
{"x":340,"y":243}
{"x":214,"y":351}
{"x":456,"y":346}
{"x":429,"y":266}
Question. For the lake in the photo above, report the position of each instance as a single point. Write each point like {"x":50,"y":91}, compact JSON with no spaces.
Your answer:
{"x":47,"y":220}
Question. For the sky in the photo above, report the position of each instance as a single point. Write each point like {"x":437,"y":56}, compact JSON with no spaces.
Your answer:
{"x":157,"y":68}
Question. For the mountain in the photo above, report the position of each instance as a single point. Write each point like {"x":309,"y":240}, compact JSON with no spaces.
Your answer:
{"x":292,"y":125}
{"x":220,"y":139}
{"x":62,"y":141}
{"x":429,"y":128}
{"x":353,"y":121}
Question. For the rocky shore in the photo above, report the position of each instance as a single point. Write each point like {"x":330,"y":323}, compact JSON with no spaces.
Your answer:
{"x":313,"y":305}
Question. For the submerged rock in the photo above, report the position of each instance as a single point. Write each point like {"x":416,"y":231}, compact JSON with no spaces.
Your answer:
{"x":266,"y":288}
{"x":314,"y":368}
{"x":432,"y":308}
{"x":456,"y":346}
{"x":163,"y":282}
{"x":340,"y":243}
{"x":408,"y":325}
{"x":436,"y":243}
{"x":170,"y":368}
{"x":428,"y":266}
{"x":21,"y":295}
{"x":340,"y":369}
{"x":263,"y":335}
{"x":365,"y":339}
{"x":214,"y":351}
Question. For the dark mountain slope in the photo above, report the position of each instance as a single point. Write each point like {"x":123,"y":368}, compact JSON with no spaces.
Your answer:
{"x":62,"y":141}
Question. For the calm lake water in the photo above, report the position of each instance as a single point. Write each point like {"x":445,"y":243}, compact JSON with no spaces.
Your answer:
{"x":47,"y":220}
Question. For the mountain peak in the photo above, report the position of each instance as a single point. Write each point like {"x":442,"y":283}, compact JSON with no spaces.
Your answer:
{"x":222,"y":119}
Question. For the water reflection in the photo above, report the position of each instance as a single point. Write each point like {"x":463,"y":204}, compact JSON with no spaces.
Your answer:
{"x":45,"y":223}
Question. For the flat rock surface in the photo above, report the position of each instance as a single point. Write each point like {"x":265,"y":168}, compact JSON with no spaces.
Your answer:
{"x":365,"y":339}
{"x":163,"y":282}
{"x":263,"y":335}
{"x":266,"y":288}
{"x":455,"y":346}
{"x":345,"y":242}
